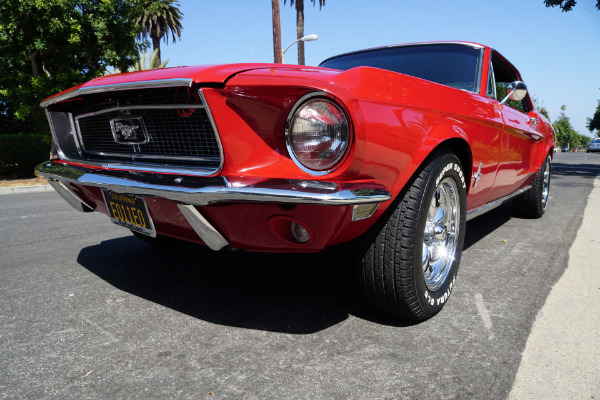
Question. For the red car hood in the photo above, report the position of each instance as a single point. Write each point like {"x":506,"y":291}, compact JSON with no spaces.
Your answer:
{"x":203,"y":74}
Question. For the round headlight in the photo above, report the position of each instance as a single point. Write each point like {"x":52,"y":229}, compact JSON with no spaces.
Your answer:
{"x":318,"y":134}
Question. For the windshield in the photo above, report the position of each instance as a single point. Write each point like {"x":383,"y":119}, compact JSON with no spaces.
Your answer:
{"x":453,"y":65}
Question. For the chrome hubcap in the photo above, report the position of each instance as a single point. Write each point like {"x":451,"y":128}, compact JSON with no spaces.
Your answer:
{"x":546,"y":183}
{"x":441,"y":234}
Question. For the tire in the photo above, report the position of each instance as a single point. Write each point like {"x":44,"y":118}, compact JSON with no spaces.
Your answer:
{"x":533,"y":203}
{"x":409,"y":267}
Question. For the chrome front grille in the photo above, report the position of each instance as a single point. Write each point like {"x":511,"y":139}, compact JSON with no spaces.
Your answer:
{"x":175,"y":135}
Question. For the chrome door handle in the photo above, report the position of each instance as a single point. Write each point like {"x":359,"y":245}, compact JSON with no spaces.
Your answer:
{"x":533,"y":122}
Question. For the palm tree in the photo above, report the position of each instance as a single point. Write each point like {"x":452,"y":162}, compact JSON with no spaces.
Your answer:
{"x":146,"y":61}
{"x":276,"y":31}
{"x":157,"y":19}
{"x":300,"y":24}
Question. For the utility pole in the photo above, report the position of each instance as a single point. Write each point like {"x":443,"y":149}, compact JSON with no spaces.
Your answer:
{"x":300,"y":30}
{"x":276,"y":31}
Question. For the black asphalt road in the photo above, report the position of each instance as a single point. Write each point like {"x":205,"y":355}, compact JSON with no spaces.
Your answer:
{"x":87,"y":311}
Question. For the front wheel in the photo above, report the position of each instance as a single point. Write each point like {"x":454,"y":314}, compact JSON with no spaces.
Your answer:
{"x":410,"y":267}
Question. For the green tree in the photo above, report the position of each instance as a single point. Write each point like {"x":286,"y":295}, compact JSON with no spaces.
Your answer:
{"x":565,"y":5}
{"x":593,"y":124}
{"x":157,"y":18}
{"x":51,"y":45}
{"x":300,"y":24}
{"x":541,"y":107}
{"x":566,"y":134}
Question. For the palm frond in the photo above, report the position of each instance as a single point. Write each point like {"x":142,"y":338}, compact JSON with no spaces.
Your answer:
{"x":159,"y":19}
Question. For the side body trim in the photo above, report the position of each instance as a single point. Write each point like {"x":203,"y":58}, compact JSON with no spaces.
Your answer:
{"x":490,"y":206}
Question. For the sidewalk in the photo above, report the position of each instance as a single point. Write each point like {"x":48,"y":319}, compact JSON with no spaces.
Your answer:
{"x":562,"y":357}
{"x":25,"y":189}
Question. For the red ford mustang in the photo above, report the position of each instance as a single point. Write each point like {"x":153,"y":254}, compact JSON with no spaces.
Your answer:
{"x":390,"y":149}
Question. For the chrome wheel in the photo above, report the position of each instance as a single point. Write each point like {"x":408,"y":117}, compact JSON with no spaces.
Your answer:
{"x":409,"y":265}
{"x":441,"y":233}
{"x":546,"y":183}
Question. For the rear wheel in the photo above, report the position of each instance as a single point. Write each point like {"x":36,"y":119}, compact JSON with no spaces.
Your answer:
{"x":532,"y":204}
{"x":409,"y":268}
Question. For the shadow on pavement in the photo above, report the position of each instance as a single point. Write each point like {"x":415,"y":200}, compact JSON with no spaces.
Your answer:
{"x":289,"y":293}
{"x":480,"y":227}
{"x":485,"y":224}
{"x":590,"y":170}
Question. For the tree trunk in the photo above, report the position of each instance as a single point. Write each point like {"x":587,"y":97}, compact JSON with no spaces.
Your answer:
{"x":276,"y":31}
{"x":36,"y":63}
{"x":300,"y":30}
{"x":156,"y":45}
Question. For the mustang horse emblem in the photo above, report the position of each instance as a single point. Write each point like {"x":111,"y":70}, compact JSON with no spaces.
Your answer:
{"x":130,"y":130}
{"x":126,"y":131}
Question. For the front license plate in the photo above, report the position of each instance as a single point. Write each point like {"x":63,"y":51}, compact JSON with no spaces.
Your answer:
{"x":129,"y":211}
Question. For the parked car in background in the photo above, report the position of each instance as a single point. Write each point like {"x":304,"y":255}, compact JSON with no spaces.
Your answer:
{"x":594,"y":146}
{"x":389,"y":149}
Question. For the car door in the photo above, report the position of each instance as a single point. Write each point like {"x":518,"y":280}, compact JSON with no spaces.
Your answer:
{"x":520,"y":132}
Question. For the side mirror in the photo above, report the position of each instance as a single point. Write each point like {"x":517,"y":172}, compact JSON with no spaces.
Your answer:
{"x":516,"y":91}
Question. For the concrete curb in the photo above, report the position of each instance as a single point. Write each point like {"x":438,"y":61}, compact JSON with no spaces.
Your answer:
{"x":561,"y":359}
{"x":25,"y":189}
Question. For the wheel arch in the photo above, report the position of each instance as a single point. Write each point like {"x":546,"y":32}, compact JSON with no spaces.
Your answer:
{"x":455,"y":145}
{"x":462,"y":150}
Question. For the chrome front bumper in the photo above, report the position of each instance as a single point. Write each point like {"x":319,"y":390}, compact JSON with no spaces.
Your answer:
{"x":191,"y":191}
{"x":204,"y":191}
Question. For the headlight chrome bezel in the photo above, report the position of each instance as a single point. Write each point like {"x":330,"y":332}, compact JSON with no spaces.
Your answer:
{"x":345,"y":124}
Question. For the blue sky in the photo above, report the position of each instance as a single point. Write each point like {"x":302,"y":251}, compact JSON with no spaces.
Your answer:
{"x":558,"y":54}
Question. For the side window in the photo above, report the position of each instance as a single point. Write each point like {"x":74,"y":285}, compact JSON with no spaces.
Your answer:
{"x":504,"y":75}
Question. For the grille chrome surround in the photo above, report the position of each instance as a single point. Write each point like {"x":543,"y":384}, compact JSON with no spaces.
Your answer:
{"x":158,"y":83}
{"x":182,"y":138}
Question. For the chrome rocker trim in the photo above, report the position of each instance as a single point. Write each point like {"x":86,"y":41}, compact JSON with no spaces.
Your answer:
{"x":204,"y":191}
{"x":490,"y":206}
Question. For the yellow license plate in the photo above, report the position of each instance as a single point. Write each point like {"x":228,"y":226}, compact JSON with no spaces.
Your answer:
{"x":129,"y":211}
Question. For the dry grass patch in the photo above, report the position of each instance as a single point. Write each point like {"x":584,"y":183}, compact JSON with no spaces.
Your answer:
{"x":22,"y":182}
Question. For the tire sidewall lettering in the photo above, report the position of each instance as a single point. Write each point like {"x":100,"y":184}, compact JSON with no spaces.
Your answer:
{"x":434,"y":300}
{"x":452,"y":167}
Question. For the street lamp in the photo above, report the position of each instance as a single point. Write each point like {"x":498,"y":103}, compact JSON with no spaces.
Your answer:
{"x":306,"y":38}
